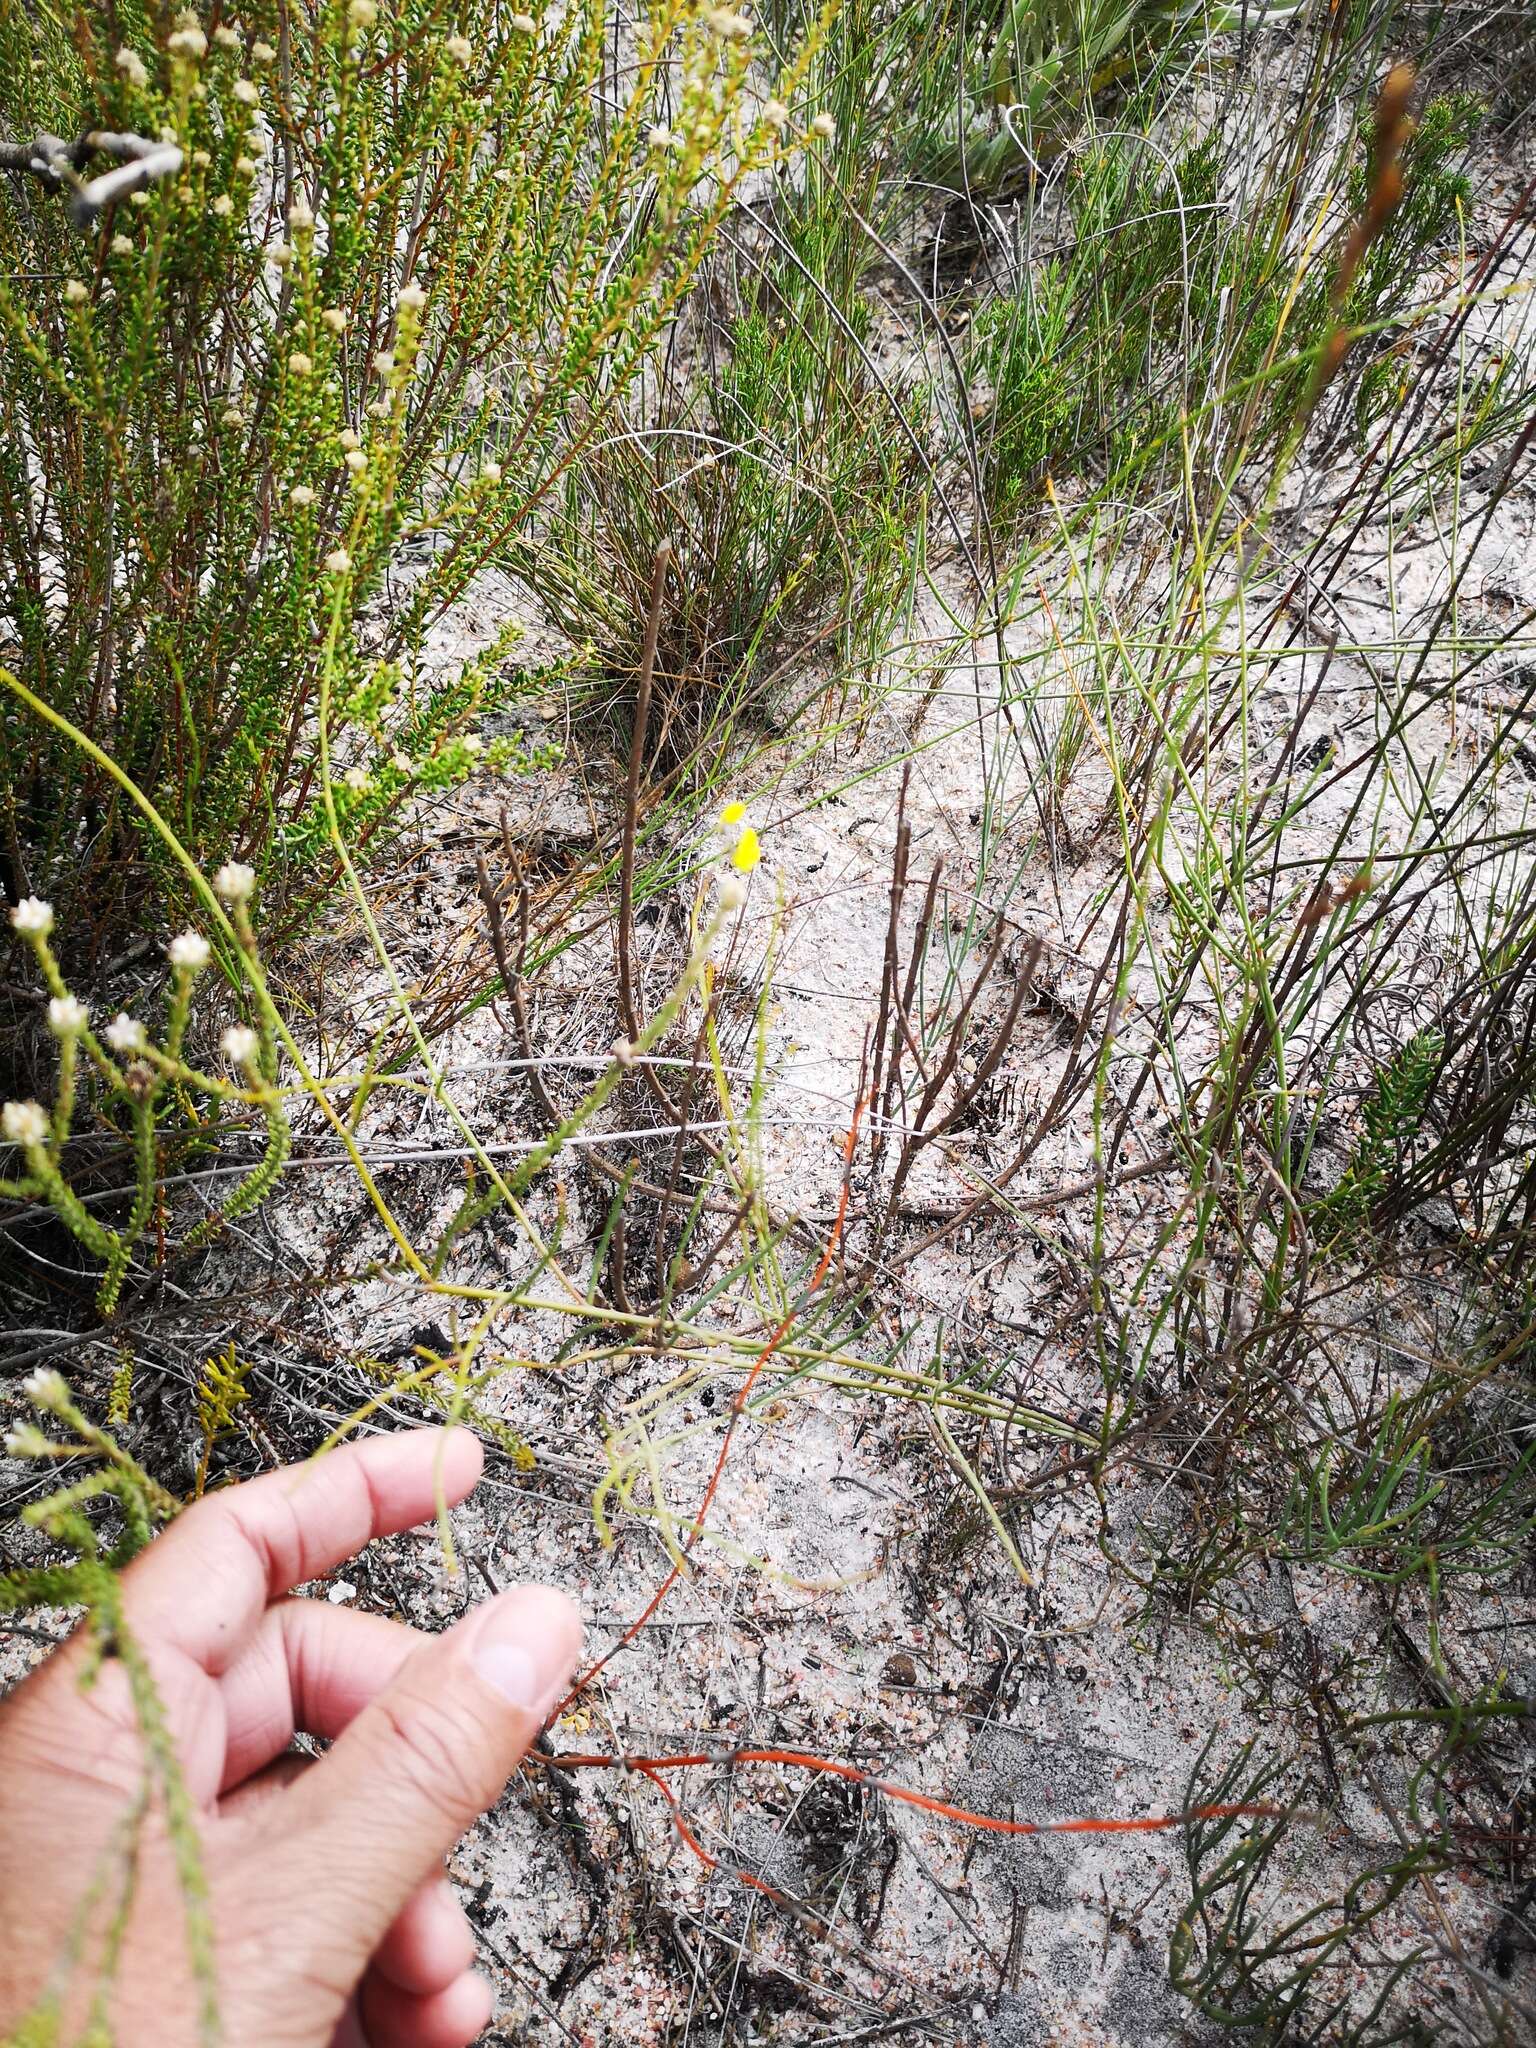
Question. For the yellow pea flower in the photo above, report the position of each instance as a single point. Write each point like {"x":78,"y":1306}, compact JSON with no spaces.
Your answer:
{"x":733,"y":814}
{"x":747,"y":852}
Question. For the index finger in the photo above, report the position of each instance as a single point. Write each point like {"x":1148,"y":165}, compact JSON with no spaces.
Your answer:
{"x":204,"y":1585}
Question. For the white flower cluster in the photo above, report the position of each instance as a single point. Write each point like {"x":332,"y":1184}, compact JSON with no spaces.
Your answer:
{"x":239,"y":1045}
{"x":46,"y":1388}
{"x":32,"y":918}
{"x":235,"y":881}
{"x":188,"y":39}
{"x":125,"y":1033}
{"x":67,"y":1016}
{"x":24,"y":1123}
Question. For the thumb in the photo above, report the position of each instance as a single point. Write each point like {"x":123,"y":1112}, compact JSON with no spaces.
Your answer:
{"x":423,"y":1760}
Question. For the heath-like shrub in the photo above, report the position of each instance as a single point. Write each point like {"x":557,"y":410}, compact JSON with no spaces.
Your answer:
{"x":265,"y":418}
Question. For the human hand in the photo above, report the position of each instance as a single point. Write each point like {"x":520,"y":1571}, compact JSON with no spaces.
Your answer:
{"x":333,"y":1925}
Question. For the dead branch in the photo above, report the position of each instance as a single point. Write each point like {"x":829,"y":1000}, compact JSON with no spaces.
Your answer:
{"x":58,"y":165}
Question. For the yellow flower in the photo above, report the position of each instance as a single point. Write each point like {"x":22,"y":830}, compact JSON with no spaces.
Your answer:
{"x":747,"y":853}
{"x":733,"y":814}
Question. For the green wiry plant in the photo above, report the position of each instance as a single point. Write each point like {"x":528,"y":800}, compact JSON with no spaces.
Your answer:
{"x":1005,"y":88}
{"x":1197,"y":288}
{"x":143,"y":1084}
{"x":397,"y":278}
{"x":1247,"y":1968}
{"x":90,"y":1581}
{"x":1265,"y":1953}
{"x":783,"y":469}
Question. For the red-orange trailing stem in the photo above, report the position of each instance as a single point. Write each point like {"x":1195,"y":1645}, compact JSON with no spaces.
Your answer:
{"x":798,"y":1759}
{"x":738,"y":1405}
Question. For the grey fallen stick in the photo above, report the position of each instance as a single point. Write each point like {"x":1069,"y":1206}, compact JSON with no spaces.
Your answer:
{"x":139,"y":162}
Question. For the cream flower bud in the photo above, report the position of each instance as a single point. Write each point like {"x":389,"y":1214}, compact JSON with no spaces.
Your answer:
{"x":300,"y":496}
{"x":122,"y":245}
{"x":300,"y":218}
{"x":235,"y":881}
{"x":188,"y":42}
{"x":246,"y":92}
{"x":733,"y":893}
{"x":412,"y":297}
{"x":263,"y":53}
{"x":66,"y":1017}
{"x":776,"y":114}
{"x":222,"y":207}
{"x":131,"y":65}
{"x":46,"y":1388}
{"x":76,"y":292}
{"x":459,"y":49}
{"x":358,"y":780}
{"x":491,"y":472}
{"x":525,"y":24}
{"x":363,"y":13}
{"x":226,"y":37}
{"x":356,"y":461}
{"x":338,"y":562}
{"x":189,"y":951}
{"x":384,"y":363}
{"x":125,"y":1033}
{"x":824,"y":126}
{"x":244,"y":167}
{"x":348,"y":439}
{"x":299,"y":364}
{"x":239,"y":1045}
{"x":32,"y":917}
{"x":334,"y":320}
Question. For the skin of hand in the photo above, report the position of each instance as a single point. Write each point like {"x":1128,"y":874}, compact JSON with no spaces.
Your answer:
{"x":334,"y":1926}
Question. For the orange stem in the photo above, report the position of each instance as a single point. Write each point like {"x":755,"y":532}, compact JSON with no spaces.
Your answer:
{"x":738,"y":1404}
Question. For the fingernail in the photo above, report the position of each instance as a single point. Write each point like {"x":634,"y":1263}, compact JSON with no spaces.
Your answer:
{"x":526,"y":1646}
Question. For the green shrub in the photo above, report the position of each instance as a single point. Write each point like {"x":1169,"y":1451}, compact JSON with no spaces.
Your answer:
{"x":398,"y":279}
